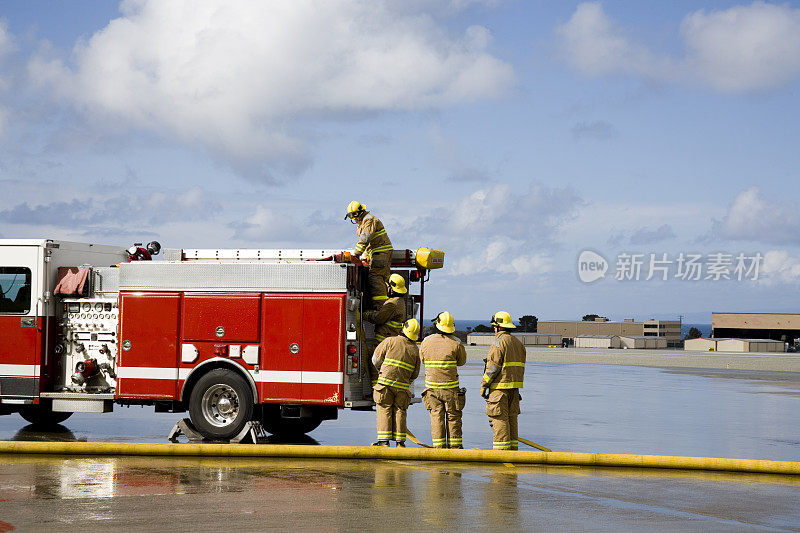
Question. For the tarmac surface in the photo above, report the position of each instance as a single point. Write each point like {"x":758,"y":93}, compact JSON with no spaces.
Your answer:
{"x":146,"y":494}
{"x":709,"y":412}
{"x":663,"y":358}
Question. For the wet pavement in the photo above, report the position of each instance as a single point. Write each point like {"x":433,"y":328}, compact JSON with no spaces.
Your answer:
{"x":579,"y":408}
{"x":145,"y":494}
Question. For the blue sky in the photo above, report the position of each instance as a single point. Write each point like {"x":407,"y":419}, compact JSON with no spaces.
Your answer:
{"x":513,"y":135}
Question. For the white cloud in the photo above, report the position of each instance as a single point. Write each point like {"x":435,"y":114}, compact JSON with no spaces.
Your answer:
{"x":237,"y":77}
{"x":740,"y":49}
{"x":779,"y":267}
{"x":754,"y":217}
{"x":502,"y":256}
{"x":500,"y":230}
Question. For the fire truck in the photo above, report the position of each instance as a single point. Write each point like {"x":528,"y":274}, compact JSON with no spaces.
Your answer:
{"x":229,"y":335}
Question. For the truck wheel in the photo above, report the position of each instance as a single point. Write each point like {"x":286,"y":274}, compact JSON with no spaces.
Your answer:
{"x":43,"y":416}
{"x":221,"y":404}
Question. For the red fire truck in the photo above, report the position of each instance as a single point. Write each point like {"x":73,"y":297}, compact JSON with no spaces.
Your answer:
{"x":228,"y":335}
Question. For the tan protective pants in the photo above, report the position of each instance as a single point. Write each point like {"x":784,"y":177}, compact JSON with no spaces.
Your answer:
{"x":391,"y":404}
{"x":445,"y":406}
{"x":502,"y":407}
{"x":379,"y":272}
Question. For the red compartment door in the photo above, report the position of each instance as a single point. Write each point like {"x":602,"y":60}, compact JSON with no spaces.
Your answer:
{"x":280,"y":375}
{"x":221,"y":317}
{"x":147,"y":363}
{"x":323,"y":319}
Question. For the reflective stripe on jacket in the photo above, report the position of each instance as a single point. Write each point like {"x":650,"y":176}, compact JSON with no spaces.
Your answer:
{"x":389,"y":318}
{"x":441,"y":354}
{"x":372,"y":237}
{"x":397,"y":359}
{"x":505,"y":364}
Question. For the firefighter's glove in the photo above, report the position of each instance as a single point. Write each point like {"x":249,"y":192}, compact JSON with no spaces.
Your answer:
{"x":485,"y":393}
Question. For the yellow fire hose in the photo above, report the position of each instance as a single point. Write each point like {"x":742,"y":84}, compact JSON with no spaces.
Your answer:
{"x":530,"y":443}
{"x":412,"y":454}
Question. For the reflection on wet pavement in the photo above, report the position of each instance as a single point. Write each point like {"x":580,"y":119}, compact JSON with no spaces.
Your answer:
{"x":48,"y":493}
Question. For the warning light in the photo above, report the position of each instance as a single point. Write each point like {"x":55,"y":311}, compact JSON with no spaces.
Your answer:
{"x":351,"y":349}
{"x":220,"y":349}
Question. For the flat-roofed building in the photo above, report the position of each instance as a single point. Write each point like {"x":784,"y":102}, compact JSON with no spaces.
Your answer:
{"x":572,"y":329}
{"x":749,"y":345}
{"x":642,"y":342}
{"x":597,"y":341}
{"x":775,"y":326}
{"x":527,"y":338}
{"x":700,"y":344}
{"x":734,"y":345}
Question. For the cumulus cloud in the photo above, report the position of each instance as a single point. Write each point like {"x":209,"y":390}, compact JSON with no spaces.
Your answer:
{"x":239,"y":78}
{"x":739,"y":49}
{"x":754,"y":217}
{"x":779,"y":266}
{"x":500,"y":229}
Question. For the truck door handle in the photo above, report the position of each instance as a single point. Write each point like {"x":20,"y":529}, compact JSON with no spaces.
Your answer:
{"x":27,"y":322}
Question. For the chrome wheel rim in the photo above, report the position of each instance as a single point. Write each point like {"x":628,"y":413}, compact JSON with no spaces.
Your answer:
{"x":220,"y":405}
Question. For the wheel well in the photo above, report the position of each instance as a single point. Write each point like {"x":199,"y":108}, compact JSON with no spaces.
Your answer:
{"x":207,"y":366}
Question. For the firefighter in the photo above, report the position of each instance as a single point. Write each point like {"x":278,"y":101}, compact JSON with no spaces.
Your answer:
{"x":441,"y":353}
{"x":502,"y":379}
{"x":397,"y":359}
{"x":389,"y":318}
{"x":374,"y":248}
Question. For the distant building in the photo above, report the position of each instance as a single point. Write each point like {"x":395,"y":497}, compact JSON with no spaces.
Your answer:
{"x":670,"y":330}
{"x":775,"y":326}
{"x":528,"y":339}
{"x":597,"y":341}
{"x":643,"y":342}
{"x":733,"y":345}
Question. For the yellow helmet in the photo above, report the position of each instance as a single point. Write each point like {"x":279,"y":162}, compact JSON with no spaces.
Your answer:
{"x":411,"y":329}
{"x":503,"y":320}
{"x":444,"y":322}
{"x":355,"y":209}
{"x":397,"y":284}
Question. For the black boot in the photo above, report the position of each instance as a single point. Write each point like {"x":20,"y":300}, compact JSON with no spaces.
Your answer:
{"x":401,"y":444}
{"x":381,"y":443}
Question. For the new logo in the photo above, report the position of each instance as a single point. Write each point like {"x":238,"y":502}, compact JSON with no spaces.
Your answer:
{"x":591,"y":266}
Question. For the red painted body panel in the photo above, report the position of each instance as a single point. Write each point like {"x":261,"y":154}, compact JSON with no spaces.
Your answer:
{"x":282,"y":325}
{"x":323,"y":330}
{"x":315,"y":322}
{"x":21,"y":346}
{"x":18,"y":345}
{"x":151,"y":322}
{"x":238,"y":314}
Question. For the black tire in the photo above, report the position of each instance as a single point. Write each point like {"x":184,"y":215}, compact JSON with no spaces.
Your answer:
{"x":41,"y":416}
{"x":288,"y":427}
{"x":221,"y":404}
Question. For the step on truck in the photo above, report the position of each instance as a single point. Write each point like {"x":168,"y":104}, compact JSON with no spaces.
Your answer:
{"x":229,"y":335}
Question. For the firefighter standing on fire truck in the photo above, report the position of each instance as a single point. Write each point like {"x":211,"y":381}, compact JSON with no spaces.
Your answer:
{"x":502,"y":379}
{"x":374,"y":248}
{"x":389,"y":318}
{"x":441,"y":353}
{"x":397,"y":359}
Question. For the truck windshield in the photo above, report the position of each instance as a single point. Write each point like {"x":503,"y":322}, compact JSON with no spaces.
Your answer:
{"x":15,"y":290}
